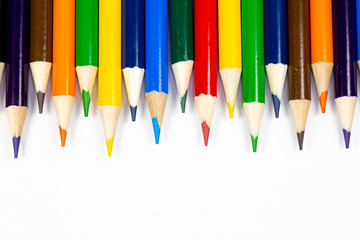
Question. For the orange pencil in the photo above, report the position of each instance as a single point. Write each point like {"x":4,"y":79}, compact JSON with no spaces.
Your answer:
{"x":322,"y":60}
{"x":63,"y":91}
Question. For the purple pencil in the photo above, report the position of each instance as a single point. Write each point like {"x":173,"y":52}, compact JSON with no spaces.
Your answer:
{"x":17,"y":67}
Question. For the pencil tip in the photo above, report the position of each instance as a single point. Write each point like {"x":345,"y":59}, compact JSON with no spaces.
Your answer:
{"x":206,"y":132}
{"x":347,"y":138}
{"x":300,"y":137}
{"x":40,"y":98}
{"x":63,"y":134}
{"x":86,"y":102}
{"x":109,"y":146}
{"x":231,"y":110}
{"x":183,"y":102}
{"x":156,"y":128}
{"x":323,"y":99}
{"x":16,"y":145}
{"x":276,"y":102}
{"x":254,"y":142}
{"x":133,"y":111}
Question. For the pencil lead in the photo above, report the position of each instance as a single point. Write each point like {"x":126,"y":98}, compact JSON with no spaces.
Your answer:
{"x":156,"y":128}
{"x":16,"y":145}
{"x":231,"y":110}
{"x":276,"y":102}
{"x":300,"y":137}
{"x":63,"y":134}
{"x":254,"y":142}
{"x":323,"y":99}
{"x":40,"y":98}
{"x":86,"y":102}
{"x":109,"y":146}
{"x":133,"y":111}
{"x":347,"y":138}
{"x":183,"y":102}
{"x":206,"y":132}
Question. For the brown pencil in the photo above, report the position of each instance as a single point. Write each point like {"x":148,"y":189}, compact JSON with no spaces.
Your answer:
{"x":41,"y":46}
{"x":299,"y":64}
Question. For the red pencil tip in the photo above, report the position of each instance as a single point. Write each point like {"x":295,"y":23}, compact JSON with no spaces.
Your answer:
{"x":206,"y":131}
{"x":323,"y":99}
{"x":62,"y":136}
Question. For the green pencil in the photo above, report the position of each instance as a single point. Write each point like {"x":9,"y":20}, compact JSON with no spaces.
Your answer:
{"x":87,"y":44}
{"x":182,"y":45}
{"x":253,"y":65}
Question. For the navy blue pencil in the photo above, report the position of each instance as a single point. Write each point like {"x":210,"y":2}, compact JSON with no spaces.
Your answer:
{"x":133,"y":49}
{"x":276,"y":56}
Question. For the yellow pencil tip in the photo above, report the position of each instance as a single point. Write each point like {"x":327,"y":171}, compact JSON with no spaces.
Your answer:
{"x":231,"y":110}
{"x":109,"y":145}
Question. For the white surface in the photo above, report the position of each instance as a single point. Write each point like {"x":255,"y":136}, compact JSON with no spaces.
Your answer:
{"x":180,"y":189}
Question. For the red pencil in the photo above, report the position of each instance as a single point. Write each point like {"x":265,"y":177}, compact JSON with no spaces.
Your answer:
{"x":205,"y":62}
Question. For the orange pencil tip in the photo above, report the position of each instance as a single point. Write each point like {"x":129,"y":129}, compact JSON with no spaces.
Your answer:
{"x":323,"y":99}
{"x":63,"y":134}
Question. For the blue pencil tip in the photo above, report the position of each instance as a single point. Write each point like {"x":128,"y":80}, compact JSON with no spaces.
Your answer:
{"x":16,"y":145}
{"x":347,"y":138}
{"x":276,"y":102}
{"x":156,"y":129}
{"x":133,"y":113}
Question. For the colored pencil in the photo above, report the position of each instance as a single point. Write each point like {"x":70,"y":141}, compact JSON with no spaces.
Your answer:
{"x":205,"y":72}
{"x":276,"y":52}
{"x":3,"y":26}
{"x":17,"y":67}
{"x":358,"y":31}
{"x":87,"y":44}
{"x":156,"y":74}
{"x":345,"y":74}
{"x":109,"y":99}
{"x":41,"y":46}
{"x":253,"y":69}
{"x":230,"y":59}
{"x":299,"y":64}
{"x":322,"y":60}
{"x":63,"y":86}
{"x":133,"y":47}
{"x":182,"y":45}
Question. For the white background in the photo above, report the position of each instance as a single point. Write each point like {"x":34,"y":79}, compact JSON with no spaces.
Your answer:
{"x":180,"y":189}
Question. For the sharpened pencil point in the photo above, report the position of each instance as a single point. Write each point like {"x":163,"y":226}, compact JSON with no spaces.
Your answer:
{"x":206,"y":132}
{"x":86,"y":102}
{"x":276,"y":102}
{"x":323,"y":99}
{"x":133,"y":111}
{"x":109,"y":146}
{"x":347,"y":138}
{"x":183,"y":102}
{"x":300,"y":137}
{"x":40,"y":98}
{"x":16,"y":146}
{"x":231,"y":110}
{"x":63,"y":134}
{"x":254,"y":142}
{"x":156,"y":129}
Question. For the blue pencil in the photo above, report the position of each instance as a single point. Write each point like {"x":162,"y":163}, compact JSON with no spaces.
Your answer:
{"x":276,"y":58}
{"x":133,"y":49}
{"x":156,"y":74}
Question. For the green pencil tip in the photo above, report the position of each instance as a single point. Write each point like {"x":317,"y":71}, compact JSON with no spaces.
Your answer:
{"x":183,"y":102}
{"x":86,"y":102}
{"x":254,"y":141}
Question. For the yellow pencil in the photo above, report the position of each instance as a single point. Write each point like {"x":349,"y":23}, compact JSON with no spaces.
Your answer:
{"x":109,"y":101}
{"x":230,"y":62}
